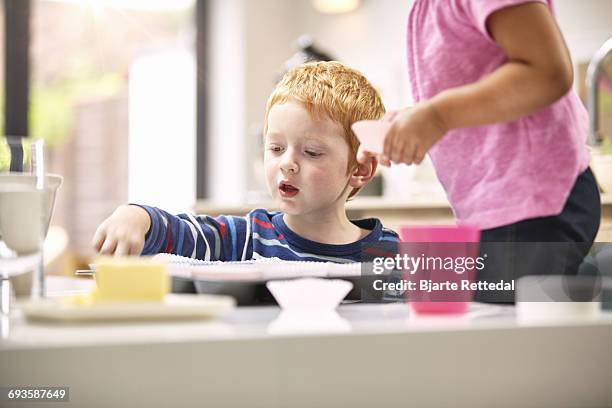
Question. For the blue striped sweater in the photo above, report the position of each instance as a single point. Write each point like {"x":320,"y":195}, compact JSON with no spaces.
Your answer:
{"x":260,"y":234}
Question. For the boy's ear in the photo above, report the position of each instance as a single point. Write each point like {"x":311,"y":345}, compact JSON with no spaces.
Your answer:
{"x":364,"y":172}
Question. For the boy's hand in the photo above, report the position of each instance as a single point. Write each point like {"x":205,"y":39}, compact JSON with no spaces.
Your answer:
{"x":123,"y":233}
{"x":413,"y":131}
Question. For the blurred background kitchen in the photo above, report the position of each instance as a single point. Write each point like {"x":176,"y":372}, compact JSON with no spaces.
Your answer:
{"x":162,"y":101}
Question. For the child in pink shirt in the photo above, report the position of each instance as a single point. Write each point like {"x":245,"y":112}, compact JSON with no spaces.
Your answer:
{"x":495,"y":110}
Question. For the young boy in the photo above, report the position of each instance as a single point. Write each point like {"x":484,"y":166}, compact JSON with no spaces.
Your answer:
{"x":311,"y":171}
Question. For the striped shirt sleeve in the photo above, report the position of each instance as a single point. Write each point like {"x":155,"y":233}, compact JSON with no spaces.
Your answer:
{"x":223,"y":238}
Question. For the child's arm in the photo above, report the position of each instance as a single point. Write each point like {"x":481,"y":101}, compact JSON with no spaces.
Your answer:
{"x":538,"y":72}
{"x":132,"y":230}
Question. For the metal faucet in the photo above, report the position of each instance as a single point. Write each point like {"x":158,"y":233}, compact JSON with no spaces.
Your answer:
{"x":592,"y":82}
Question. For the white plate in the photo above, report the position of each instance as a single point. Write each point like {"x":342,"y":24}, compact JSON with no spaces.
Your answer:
{"x":174,"y":306}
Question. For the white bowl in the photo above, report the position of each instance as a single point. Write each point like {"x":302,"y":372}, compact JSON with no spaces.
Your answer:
{"x":309,"y":293}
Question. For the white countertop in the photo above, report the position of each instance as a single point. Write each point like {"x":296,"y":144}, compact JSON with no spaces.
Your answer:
{"x":248,"y":323}
{"x":265,"y":322}
{"x":255,"y":323}
{"x":365,"y":355}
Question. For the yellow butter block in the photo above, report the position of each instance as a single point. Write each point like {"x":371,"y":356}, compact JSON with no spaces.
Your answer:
{"x":130,"y":279}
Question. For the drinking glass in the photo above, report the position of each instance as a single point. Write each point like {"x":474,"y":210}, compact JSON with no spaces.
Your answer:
{"x":23,"y":202}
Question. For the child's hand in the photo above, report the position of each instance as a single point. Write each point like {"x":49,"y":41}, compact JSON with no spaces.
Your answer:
{"x":413,"y":131}
{"x":123,"y":233}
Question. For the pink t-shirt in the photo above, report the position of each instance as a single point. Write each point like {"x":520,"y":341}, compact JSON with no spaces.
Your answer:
{"x":498,"y":174}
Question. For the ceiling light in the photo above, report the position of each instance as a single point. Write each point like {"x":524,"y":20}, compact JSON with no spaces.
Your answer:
{"x":335,"y":6}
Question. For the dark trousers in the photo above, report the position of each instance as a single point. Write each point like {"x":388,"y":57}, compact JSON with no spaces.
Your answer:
{"x":554,"y":245}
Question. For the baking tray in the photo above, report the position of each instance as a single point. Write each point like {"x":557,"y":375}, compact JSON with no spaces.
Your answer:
{"x":255,"y":292}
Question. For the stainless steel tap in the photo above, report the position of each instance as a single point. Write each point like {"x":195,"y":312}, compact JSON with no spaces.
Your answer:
{"x":592,"y":81}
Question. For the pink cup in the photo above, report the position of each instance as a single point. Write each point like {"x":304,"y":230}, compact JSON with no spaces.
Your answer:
{"x":431,"y":243}
{"x":371,"y":134}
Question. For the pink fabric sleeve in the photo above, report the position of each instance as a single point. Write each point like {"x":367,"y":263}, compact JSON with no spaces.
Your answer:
{"x":477,"y":11}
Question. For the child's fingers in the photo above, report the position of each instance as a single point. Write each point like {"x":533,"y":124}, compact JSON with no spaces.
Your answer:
{"x":419,"y":155}
{"x":123,"y":248}
{"x":397,"y":148}
{"x":136,"y":247}
{"x":410,"y":154}
{"x":396,"y":143}
{"x":389,"y":143}
{"x":108,"y":248}
{"x":98,"y":238}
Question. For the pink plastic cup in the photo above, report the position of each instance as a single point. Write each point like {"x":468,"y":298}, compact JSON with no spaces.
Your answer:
{"x":371,"y":134}
{"x":431,"y":243}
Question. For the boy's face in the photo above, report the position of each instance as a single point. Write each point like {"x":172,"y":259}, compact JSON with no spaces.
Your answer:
{"x":305,"y":161}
